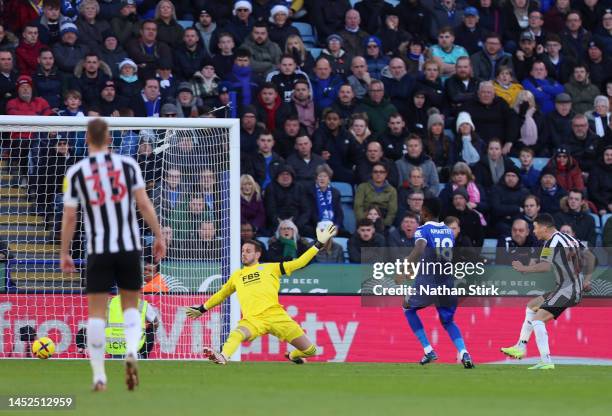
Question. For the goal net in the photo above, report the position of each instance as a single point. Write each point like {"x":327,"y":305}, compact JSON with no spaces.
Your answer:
{"x":191,"y":169}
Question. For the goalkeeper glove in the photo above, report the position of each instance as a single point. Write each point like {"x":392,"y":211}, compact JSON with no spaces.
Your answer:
{"x":195,"y":311}
{"x":325,"y":234}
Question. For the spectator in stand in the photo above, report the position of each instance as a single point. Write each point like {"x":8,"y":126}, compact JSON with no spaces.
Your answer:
{"x":543,"y":88}
{"x":515,"y":15}
{"x":265,"y":54}
{"x":207,"y":31}
{"x":391,"y":34}
{"x":69,"y":52}
{"x":600,"y":182}
{"x":365,"y":238}
{"x":446,"y":53}
{"x":304,"y":162}
{"x":324,"y":199}
{"x":554,"y":18}
{"x":265,"y":162}
{"x":251,"y":202}
{"x":189,"y":55}
{"x":490,"y":170}
{"x":111,"y":52}
{"x":345,"y":103}
{"x":285,"y":137}
{"x":271,"y":110}
{"x":361,"y":135}
{"x":90,"y":76}
{"x":507,"y":199}
{"x":186,"y":103}
{"x":352,"y":35}
{"x":328,"y":16}
{"x":339,"y":59}
{"x":525,"y":56}
{"x":521,"y":245}
{"x":379,"y":193}
{"x":410,"y":200}
{"x":490,"y":58}
{"x":599,"y":65}
{"x":167,"y":82}
{"x":461,"y":87}
{"x":8,"y":79}
{"x":558,"y":64}
{"x":530,"y":176}
{"x":575,"y":212}
{"x":285,"y":198}
{"x":599,"y":117}
{"x":559,"y":121}
{"x":331,"y":252}
{"x":249,"y":130}
{"x":49,"y":22}
{"x":492,"y":117}
{"x":333,"y":142}
{"x":241,"y":23}
{"x":431,"y":85}
{"x":392,"y":140}
{"x":147,"y":51}
{"x":417,"y":113}
{"x":170,"y":194}
{"x":325,"y":84}
{"x":469,"y":33}
{"x":464,"y":250}
{"x":48,"y":82}
{"x":303,"y":105}
{"x":28,"y":50}
{"x":126,"y":25}
{"x":90,"y":26}
{"x":225,"y":59}
{"x":375,"y":57}
{"x":470,"y":219}
{"x":413,"y":53}
{"x":287,"y":244}
{"x":303,"y":58}
{"x":286,"y":76}
{"x":399,"y":84}
{"x":374,"y":154}
{"x":444,"y":13}
{"x":375,"y":214}
{"x":377,"y":107}
{"x":531,"y":209}
{"x":415,"y":156}
{"x":581,"y":90}
{"x":404,"y":235}
{"x":574,"y":37}
{"x":505,"y":86}
{"x":549,"y":193}
{"x":126,"y":142}
{"x":169,"y":30}
{"x":467,"y":146}
{"x":414,"y":17}
{"x":462,"y":177}
{"x":8,"y":41}
{"x":532,"y":124}
{"x":148,"y":102}
{"x":241,"y":78}
{"x":360,"y":78}
{"x":437,"y":146}
{"x":280,"y":27}
{"x":374,"y":13}
{"x":128,"y":83}
{"x":582,"y":143}
{"x":205,"y":83}
{"x":566,"y":170}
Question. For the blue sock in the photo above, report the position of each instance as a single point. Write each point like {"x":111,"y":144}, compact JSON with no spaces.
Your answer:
{"x":417,"y":327}
{"x":455,"y":335}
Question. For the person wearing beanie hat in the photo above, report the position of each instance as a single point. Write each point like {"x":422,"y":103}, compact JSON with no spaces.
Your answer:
{"x":336,"y":55}
{"x":600,"y":182}
{"x":352,"y":35}
{"x":458,"y":205}
{"x":128,"y":83}
{"x":566,"y":170}
{"x":507,"y":199}
{"x":467,"y":146}
{"x":434,"y":119}
{"x":241,"y":23}
{"x":461,"y":191}
{"x":375,"y":57}
{"x":187,"y":104}
{"x":68,"y":52}
{"x":249,"y":130}
{"x":280,"y":27}
{"x":126,"y":24}
{"x":111,"y":52}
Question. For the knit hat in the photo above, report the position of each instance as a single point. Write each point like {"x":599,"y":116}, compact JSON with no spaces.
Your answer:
{"x":108,"y":34}
{"x":561,"y":151}
{"x":463,"y":192}
{"x":334,"y":36}
{"x":128,"y":61}
{"x":242,"y":4}
{"x":434,"y":119}
{"x":278,"y":8}
{"x":184,"y":86}
{"x":285,"y":168}
{"x":470,"y":11}
{"x":372,"y":39}
{"x":249,"y":109}
{"x":109,"y":83}
{"x":68,"y":28}
{"x":128,"y":3}
{"x":513,"y":169}
{"x":24,"y":79}
{"x":168,"y":108}
{"x":465,"y":117}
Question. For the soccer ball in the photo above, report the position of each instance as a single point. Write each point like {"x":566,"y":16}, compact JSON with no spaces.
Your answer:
{"x":43,"y":348}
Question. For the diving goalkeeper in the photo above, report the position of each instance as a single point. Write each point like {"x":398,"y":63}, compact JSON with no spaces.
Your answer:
{"x":256,"y":286}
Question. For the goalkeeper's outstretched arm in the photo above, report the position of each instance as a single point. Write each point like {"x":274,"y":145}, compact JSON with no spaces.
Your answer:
{"x":226,"y":290}
{"x":323,"y":237}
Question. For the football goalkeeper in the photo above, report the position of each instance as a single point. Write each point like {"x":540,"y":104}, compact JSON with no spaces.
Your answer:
{"x":256,"y":286}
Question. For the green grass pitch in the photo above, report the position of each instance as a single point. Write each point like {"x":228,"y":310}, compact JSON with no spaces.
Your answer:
{"x":185,"y":388}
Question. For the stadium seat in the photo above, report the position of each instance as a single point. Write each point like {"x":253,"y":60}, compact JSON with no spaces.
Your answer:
{"x":598,"y":227}
{"x":346,"y":191}
{"x":605,"y":219}
{"x":516,"y":161}
{"x":353,"y":3}
{"x":307,"y":33}
{"x":393,"y":2}
{"x":488,"y":248}
{"x":315,"y":52}
{"x":344,"y":244}
{"x":264,"y":241}
{"x":185,"y":23}
{"x":349,"y":218}
{"x":540,"y":162}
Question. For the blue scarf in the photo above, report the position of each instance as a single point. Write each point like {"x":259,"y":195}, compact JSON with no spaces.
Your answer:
{"x":243,"y":76}
{"x":130,"y":79}
{"x":324,"y":204}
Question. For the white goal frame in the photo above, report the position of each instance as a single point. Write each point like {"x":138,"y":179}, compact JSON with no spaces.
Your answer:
{"x":22,"y":123}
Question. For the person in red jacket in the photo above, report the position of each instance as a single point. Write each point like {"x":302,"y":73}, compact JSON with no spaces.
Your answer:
{"x":28,"y":50}
{"x":22,"y":12}
{"x":566,"y":170}
{"x":25,"y":104}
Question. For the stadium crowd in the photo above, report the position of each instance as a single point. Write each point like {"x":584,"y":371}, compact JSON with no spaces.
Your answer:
{"x":398,"y":102}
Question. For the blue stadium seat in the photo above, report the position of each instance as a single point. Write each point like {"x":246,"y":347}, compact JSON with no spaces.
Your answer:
{"x":540,"y":162}
{"x":605,"y":219}
{"x":307,"y":33}
{"x":346,"y":191}
{"x":597,"y":220}
{"x":488,"y":248}
{"x":315,"y":52}
{"x":185,"y":23}
{"x":393,"y":2}
{"x":264,"y":241}
{"x":344,"y":244}
{"x":349,"y":218}
{"x":353,"y":3}
{"x":516,"y":161}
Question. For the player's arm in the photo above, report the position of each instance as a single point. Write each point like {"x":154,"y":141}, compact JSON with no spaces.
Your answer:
{"x":226,"y":290}
{"x":589,"y":263}
{"x":323,"y":237}
{"x":543,"y":266}
{"x":415,"y":255}
{"x":69,"y":220}
{"x":143,"y":202}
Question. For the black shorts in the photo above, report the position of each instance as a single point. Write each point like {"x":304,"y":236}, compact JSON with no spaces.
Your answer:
{"x":106,"y":270}
{"x":556,"y":304}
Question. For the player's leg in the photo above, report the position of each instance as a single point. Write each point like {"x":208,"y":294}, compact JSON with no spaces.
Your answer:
{"x":419,"y":331}
{"x":519,"y":350}
{"x":132,"y":329}
{"x":446,"y":315}
{"x":304,"y":348}
{"x":235,"y":338}
{"x":539,"y":327}
{"x":96,"y":337}
{"x":282,"y":326}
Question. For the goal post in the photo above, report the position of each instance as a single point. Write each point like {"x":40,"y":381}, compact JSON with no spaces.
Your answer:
{"x":192,"y":170}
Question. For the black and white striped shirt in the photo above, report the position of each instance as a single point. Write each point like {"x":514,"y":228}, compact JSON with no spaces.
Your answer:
{"x":565,"y":253}
{"x":104,"y":185}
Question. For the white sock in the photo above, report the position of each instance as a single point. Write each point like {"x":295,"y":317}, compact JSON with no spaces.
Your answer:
{"x":526,"y":329}
{"x":541,"y":335}
{"x":96,"y":345}
{"x":428,"y":349}
{"x":133,"y":330}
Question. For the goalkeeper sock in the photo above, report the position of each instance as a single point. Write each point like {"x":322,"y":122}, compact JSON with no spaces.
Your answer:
{"x":133,"y":330}
{"x":526,"y":329}
{"x":96,"y":345}
{"x":308,"y":352}
{"x":417,"y":327}
{"x":541,"y":334}
{"x":232,"y":343}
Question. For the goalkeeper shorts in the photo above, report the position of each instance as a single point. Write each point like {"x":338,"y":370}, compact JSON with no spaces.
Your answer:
{"x":275,"y":321}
